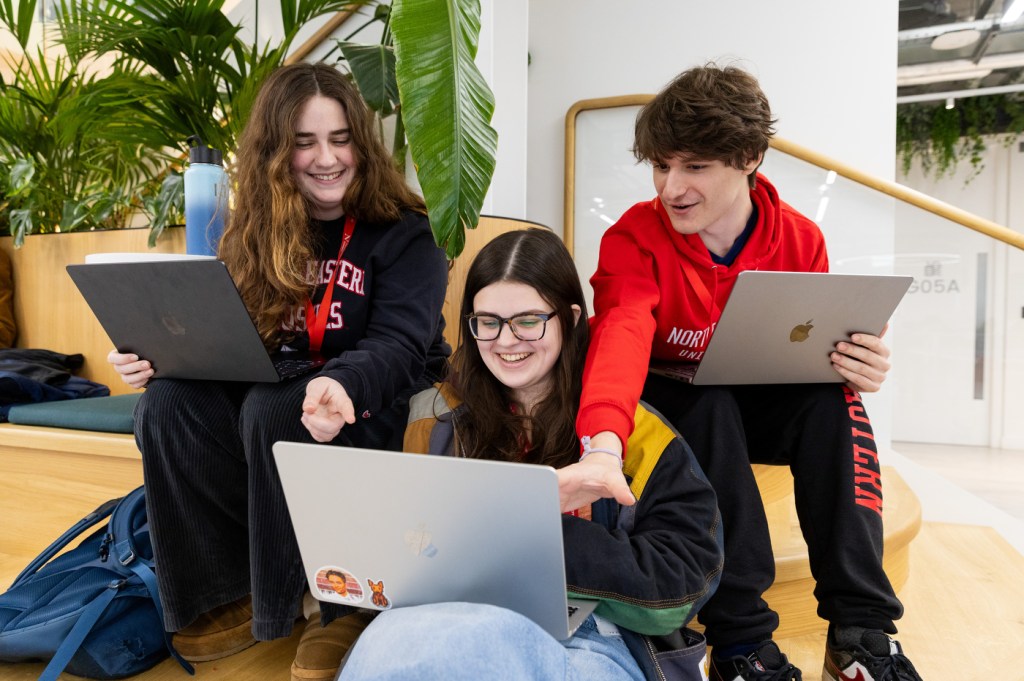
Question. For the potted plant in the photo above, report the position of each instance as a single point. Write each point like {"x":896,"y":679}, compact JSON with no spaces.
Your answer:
{"x":190,"y":73}
{"x":942,"y":137}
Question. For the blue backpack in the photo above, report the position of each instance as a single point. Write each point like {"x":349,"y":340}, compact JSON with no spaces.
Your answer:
{"x":95,"y":609}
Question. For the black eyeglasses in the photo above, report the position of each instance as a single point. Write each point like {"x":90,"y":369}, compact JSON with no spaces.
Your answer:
{"x":529,"y":326}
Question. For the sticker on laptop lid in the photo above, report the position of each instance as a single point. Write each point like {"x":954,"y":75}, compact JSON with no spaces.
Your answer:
{"x":338,"y":585}
{"x":378,"y":598}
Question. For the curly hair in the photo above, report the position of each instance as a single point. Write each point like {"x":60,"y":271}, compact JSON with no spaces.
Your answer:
{"x":486,"y":427}
{"x":707,"y":112}
{"x":268,"y":242}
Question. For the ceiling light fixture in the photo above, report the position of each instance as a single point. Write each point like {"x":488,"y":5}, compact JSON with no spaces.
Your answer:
{"x":956,"y":40}
{"x":1013,"y":12}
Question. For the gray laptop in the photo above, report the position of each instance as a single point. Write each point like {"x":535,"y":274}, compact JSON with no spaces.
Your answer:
{"x":780,"y":327}
{"x":186,"y":317}
{"x":384,"y":530}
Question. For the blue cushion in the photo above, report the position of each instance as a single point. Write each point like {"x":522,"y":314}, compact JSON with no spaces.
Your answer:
{"x":107,"y":414}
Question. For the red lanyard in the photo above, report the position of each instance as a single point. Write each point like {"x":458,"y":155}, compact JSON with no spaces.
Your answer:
{"x":701,"y":289}
{"x":316,"y":323}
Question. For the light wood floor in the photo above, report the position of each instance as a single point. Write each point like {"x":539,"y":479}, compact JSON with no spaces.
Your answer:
{"x":964,"y":619}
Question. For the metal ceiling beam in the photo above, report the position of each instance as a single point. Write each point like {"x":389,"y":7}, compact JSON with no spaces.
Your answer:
{"x":983,"y":45}
{"x":983,"y":9}
{"x":960,"y":94}
{"x":933,"y":31}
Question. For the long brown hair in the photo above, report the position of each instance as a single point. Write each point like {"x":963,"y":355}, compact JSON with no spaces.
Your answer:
{"x":485,"y":426}
{"x":268,"y":243}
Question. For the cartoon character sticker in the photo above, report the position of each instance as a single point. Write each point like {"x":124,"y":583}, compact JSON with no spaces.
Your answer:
{"x":338,"y":585}
{"x":378,"y":598}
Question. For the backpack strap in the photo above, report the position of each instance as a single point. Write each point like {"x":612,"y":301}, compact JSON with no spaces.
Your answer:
{"x":86,"y":621}
{"x":125,"y":551}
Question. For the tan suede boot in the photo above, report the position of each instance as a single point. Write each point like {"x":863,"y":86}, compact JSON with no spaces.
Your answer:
{"x":225,"y":630}
{"x":320,"y":650}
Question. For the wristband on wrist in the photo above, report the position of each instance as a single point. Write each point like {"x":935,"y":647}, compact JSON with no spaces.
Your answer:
{"x":588,"y":450}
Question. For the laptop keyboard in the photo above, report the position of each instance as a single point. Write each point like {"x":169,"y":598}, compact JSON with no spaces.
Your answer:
{"x":681,"y":371}
{"x":292,"y":368}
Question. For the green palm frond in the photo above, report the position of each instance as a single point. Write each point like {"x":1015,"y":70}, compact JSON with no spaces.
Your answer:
{"x":447,"y":108}
{"x":18,"y":21}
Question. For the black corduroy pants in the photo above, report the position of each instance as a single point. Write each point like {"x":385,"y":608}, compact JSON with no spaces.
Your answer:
{"x":219,"y":523}
{"x":822,"y":433}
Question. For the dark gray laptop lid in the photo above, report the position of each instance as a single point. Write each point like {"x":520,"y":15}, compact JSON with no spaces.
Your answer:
{"x":184,"y":316}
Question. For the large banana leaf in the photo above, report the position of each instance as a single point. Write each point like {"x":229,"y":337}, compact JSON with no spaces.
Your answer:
{"x":373,"y":67}
{"x":447,"y":108}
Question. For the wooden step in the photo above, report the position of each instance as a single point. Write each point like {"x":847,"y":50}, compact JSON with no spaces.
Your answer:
{"x":792,"y":595}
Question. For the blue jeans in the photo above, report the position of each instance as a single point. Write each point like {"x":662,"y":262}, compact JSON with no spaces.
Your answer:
{"x":454,"y":641}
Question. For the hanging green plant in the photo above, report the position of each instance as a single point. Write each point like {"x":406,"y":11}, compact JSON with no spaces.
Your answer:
{"x":942,"y":139}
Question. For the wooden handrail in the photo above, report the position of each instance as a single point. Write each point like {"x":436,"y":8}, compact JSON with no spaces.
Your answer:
{"x":332,"y":25}
{"x":897,"y":191}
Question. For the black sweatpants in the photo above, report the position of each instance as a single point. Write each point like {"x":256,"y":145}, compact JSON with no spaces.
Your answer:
{"x":822,"y":433}
{"x":219,"y":523}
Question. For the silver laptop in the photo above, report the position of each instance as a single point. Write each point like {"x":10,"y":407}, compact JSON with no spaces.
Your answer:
{"x":186,"y":318}
{"x":780,"y":327}
{"x":384,"y":530}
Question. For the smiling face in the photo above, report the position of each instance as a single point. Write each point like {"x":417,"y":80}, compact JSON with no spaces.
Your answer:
{"x":522,"y":366}
{"x":704,"y":197}
{"x":323,"y":159}
{"x":338,"y":583}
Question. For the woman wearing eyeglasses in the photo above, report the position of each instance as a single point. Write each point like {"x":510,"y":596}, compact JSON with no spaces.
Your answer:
{"x":512,"y":395}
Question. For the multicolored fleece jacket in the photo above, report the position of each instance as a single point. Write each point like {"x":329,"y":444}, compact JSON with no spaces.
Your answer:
{"x":651,"y":565}
{"x":658,"y":295}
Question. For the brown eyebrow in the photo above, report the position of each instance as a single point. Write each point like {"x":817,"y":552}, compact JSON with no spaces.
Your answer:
{"x":343,"y":131}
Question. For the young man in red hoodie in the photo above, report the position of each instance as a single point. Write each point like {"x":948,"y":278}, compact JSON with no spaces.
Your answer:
{"x":665,"y":271}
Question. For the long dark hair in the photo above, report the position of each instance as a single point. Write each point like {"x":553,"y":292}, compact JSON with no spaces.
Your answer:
{"x":268,"y":243}
{"x":486,"y":426}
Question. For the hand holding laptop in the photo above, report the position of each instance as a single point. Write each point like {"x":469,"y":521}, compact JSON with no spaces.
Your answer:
{"x":134,"y":370}
{"x":864,"y":362}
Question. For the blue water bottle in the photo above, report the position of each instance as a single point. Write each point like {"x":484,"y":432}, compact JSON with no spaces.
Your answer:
{"x":206,"y":198}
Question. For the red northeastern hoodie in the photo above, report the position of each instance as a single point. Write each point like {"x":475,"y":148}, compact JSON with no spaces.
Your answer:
{"x":658,"y":294}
